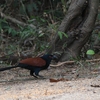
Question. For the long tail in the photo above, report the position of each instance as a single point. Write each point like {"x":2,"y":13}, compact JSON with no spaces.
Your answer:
{"x":7,"y":68}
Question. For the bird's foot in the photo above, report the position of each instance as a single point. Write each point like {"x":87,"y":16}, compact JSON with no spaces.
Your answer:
{"x":38,"y":76}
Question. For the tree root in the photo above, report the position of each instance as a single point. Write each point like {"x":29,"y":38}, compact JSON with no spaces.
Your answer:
{"x":72,"y":62}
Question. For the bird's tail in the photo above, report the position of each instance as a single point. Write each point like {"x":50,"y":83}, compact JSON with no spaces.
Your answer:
{"x":7,"y":68}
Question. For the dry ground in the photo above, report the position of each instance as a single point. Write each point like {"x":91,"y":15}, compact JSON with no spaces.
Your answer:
{"x":76,"y":82}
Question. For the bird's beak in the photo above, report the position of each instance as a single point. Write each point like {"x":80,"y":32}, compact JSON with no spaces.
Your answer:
{"x":55,"y":57}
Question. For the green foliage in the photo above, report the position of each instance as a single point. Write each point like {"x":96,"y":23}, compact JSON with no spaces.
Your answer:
{"x":40,"y":13}
{"x":53,"y":27}
{"x":90,"y":52}
{"x":3,"y":24}
{"x":64,"y":5}
{"x":61,"y":34}
{"x":12,"y":31}
{"x":10,"y":49}
{"x":26,"y":32}
{"x":41,"y":34}
{"x":22,"y":8}
{"x":41,"y":45}
{"x":98,"y":16}
{"x":6,"y":28}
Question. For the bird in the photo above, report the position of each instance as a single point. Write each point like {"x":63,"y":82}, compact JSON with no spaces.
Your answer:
{"x":35,"y":65}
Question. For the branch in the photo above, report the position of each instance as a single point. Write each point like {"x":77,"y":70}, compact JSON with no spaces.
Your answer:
{"x":72,"y":62}
{"x":16,"y":21}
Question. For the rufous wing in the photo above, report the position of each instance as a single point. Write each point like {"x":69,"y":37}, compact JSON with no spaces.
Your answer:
{"x":37,"y":61}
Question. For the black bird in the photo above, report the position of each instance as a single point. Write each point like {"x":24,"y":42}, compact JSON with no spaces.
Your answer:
{"x":35,"y":65}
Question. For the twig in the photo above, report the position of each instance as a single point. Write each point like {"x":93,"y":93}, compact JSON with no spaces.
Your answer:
{"x":62,"y":63}
{"x":93,"y":60}
{"x":72,"y":62}
{"x":15,"y":20}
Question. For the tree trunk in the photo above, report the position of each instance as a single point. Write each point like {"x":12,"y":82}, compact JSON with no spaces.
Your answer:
{"x":78,"y":25}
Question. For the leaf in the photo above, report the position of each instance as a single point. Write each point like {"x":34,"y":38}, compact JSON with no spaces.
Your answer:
{"x":90,"y":52}
{"x":41,"y":34}
{"x":43,"y":20}
{"x":57,"y":80}
{"x":9,"y":30}
{"x":30,"y":7}
{"x":65,"y":34}
{"x":35,"y":6}
{"x":61,"y":34}
{"x":98,"y":17}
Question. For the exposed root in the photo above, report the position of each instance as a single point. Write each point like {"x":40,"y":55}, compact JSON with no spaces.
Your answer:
{"x":72,"y":62}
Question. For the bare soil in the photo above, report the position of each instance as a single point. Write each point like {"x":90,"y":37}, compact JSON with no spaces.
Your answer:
{"x":69,"y":82}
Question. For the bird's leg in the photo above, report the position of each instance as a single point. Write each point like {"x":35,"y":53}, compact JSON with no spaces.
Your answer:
{"x":37,"y":76}
{"x":36,"y":73}
{"x":31,"y":72}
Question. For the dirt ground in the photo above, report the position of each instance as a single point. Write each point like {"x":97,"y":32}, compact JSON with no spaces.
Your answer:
{"x":68,"y":82}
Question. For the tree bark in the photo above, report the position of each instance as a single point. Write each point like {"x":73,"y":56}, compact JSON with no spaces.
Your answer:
{"x":78,"y":25}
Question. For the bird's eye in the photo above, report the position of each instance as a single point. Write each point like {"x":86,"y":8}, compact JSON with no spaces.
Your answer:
{"x":50,"y":56}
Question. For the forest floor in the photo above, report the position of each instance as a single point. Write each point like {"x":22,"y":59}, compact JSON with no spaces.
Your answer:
{"x":68,"y":82}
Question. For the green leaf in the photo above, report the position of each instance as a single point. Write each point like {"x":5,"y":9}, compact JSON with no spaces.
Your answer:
{"x":65,"y":34}
{"x":35,"y":6}
{"x":9,"y":30}
{"x":60,"y":34}
{"x":98,"y":17}
{"x":40,"y":35}
{"x":43,"y":20}
{"x":90,"y":52}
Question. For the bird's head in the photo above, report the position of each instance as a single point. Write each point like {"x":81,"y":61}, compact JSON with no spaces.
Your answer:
{"x":49,"y":56}
{"x":53,"y":57}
